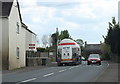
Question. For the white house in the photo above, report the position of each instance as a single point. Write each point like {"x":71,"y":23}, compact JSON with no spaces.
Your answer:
{"x":30,"y":39}
{"x":14,"y":36}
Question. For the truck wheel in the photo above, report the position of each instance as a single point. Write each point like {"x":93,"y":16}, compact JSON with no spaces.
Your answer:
{"x":59,"y":64}
{"x":70,"y":64}
{"x":88,"y":63}
{"x":99,"y":63}
{"x":66,"y":64}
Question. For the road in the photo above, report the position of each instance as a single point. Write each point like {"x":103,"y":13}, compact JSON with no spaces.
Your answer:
{"x":78,"y":73}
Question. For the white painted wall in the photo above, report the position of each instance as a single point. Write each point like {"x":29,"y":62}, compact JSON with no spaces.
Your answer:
{"x":0,"y":50}
{"x":0,"y":44}
{"x":5,"y":43}
{"x":16,"y":40}
{"x":34,"y":41}
{"x":23,"y":49}
{"x":30,"y":39}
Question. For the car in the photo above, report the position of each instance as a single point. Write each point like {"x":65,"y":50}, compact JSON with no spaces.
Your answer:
{"x":94,"y":59}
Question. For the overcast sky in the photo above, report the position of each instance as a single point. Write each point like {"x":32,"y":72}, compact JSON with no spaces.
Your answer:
{"x":84,"y":19}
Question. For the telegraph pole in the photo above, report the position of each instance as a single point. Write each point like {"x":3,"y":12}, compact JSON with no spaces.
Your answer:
{"x":56,"y":43}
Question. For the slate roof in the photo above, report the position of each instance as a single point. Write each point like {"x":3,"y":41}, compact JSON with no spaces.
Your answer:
{"x":6,"y":7}
{"x":26,"y":27}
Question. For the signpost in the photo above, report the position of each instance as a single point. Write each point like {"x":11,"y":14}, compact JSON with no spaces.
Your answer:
{"x":31,"y":46}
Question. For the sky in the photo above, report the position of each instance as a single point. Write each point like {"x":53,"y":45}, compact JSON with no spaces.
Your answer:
{"x":84,"y":19}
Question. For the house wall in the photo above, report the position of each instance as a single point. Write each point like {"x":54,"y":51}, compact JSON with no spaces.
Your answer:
{"x":34,"y":41}
{"x":23,"y":36}
{"x":30,"y":39}
{"x":5,"y":43}
{"x":0,"y":44}
{"x":16,"y":40}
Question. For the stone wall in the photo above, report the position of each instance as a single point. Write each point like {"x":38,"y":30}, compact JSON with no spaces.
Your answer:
{"x":37,"y":61}
{"x":40,"y":58}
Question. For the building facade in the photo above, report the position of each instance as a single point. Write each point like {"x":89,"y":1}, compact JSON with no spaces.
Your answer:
{"x":30,"y":39}
{"x":14,"y":36}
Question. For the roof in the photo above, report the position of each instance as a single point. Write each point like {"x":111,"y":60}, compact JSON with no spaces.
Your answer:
{"x":26,"y":27}
{"x":6,"y":8}
{"x":30,"y":31}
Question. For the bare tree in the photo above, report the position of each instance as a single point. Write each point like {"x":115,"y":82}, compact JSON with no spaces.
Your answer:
{"x":44,"y":40}
{"x":49,"y":40}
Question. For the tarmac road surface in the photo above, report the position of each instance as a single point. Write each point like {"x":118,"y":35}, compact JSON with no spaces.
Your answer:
{"x":78,"y":73}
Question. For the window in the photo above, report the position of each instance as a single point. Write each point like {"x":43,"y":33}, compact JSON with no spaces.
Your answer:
{"x":17,"y":24}
{"x":17,"y":52}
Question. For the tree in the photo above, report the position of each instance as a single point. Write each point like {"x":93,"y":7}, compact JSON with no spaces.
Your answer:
{"x":44,"y":40}
{"x":107,"y":52}
{"x":54,"y":40}
{"x":49,"y":40}
{"x":40,"y":49}
{"x":113,"y":37}
{"x":56,"y":36}
{"x":80,"y":42}
{"x":64,"y":34}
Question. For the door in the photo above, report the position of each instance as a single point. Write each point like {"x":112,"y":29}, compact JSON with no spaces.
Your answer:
{"x":66,"y":53}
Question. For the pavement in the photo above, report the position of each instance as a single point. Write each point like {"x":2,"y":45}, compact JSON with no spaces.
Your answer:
{"x":29,"y":68}
{"x":107,"y":72}
{"x":111,"y":74}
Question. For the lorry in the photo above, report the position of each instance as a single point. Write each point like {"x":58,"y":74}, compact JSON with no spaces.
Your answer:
{"x":69,"y":53}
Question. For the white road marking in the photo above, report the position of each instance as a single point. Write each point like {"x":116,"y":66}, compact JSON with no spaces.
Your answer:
{"x":29,"y":80}
{"x":99,"y":66}
{"x":62,"y":70}
{"x":48,"y":74}
{"x":71,"y":67}
{"x":108,"y":65}
{"x":76,"y":66}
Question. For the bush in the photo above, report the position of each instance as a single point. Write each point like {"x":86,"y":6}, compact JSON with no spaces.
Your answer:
{"x":39,"y":49}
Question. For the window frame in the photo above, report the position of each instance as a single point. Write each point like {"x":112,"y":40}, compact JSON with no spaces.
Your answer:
{"x":18,"y":27}
{"x":17,"y":52}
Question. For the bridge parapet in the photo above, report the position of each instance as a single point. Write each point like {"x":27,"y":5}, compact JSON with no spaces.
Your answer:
{"x":93,"y":48}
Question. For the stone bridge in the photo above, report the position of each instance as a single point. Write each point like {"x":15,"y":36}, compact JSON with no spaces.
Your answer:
{"x":93,"y":49}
